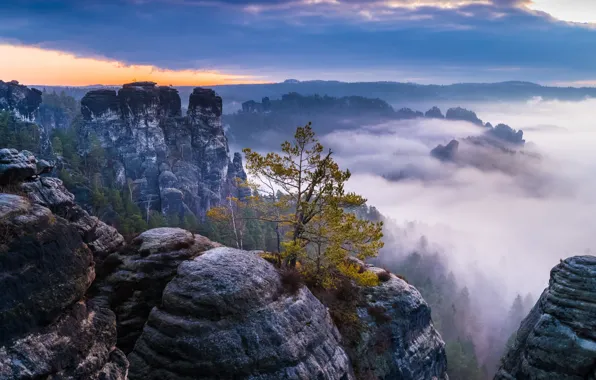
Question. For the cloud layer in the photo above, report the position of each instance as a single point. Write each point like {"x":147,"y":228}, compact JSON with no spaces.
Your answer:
{"x":511,"y":227}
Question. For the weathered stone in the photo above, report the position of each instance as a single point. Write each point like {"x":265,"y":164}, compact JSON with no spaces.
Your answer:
{"x":399,"y":340}
{"x":99,"y":237}
{"x":16,"y":167}
{"x":47,"y":331}
{"x":134,"y":279}
{"x":44,"y":266}
{"x":79,"y":345}
{"x":225,"y":316}
{"x":177,"y":164}
{"x":557,"y":340}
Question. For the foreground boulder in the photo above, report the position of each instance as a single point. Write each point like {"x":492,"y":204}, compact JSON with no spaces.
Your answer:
{"x":134,"y":279}
{"x":226,"y":315}
{"x":18,"y":171}
{"x":51,"y":193}
{"x":557,"y":340}
{"x":47,"y":329}
{"x":16,"y":166}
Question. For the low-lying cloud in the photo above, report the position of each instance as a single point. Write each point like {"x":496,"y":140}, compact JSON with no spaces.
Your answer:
{"x":508,"y":227}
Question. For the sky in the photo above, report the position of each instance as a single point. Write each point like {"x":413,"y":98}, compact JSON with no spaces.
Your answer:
{"x":208,"y":42}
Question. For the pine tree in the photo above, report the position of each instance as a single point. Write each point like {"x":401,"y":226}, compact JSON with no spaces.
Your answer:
{"x":306,"y":189}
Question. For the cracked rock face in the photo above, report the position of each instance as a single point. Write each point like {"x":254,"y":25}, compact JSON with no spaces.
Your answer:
{"x":398,"y":340}
{"x":178,"y":164}
{"x":225,"y":315}
{"x":51,"y":193}
{"x":16,"y":166}
{"x":134,"y":279}
{"x":557,"y":340}
{"x":47,"y":330}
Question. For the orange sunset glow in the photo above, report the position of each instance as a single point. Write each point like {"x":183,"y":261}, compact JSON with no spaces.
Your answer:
{"x":32,"y":65}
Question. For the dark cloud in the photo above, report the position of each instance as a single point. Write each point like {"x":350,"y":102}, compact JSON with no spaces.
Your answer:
{"x":290,"y":36}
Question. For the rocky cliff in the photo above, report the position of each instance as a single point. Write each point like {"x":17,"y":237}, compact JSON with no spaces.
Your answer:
{"x":48,"y":328}
{"x":226,"y":315}
{"x":557,"y":340}
{"x":133,"y":279}
{"x":21,"y":101}
{"x":177,"y":164}
{"x":183,"y":307}
{"x":399,"y":340}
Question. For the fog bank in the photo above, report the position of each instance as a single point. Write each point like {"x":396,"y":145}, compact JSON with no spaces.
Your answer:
{"x":509,"y":222}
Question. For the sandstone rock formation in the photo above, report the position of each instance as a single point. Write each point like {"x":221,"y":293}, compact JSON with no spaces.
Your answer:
{"x":51,"y":193}
{"x":397,"y":338}
{"x":134,"y":279}
{"x":557,"y":340}
{"x":21,"y":101}
{"x":47,"y":329}
{"x":16,"y":167}
{"x":178,"y":164}
{"x":400,"y":341}
{"x":226,"y":315}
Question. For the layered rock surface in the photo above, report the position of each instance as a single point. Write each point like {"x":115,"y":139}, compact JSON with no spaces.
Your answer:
{"x":557,"y":340}
{"x":178,"y":164}
{"x":134,"y":279}
{"x":51,"y":193}
{"x":47,"y":329}
{"x":398,"y":339}
{"x":226,"y":315}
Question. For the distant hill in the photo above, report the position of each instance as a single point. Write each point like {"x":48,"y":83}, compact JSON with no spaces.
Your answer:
{"x":395,"y":92}
{"x":392,"y":92}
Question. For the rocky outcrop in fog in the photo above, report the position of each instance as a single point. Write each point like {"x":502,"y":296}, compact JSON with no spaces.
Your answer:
{"x":463,"y":114}
{"x":408,"y":113}
{"x":434,"y":113}
{"x":445,"y":152}
{"x":133,"y":280}
{"x":399,"y":340}
{"x":226,"y":315}
{"x":48,"y":329}
{"x":557,"y":340}
{"x":177,"y":164}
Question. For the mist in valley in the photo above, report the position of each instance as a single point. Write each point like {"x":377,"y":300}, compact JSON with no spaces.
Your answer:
{"x":499,"y":222}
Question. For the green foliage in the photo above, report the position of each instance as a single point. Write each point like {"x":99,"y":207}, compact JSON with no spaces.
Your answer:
{"x":19,"y":135}
{"x":462,"y":362}
{"x":303,"y":194}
